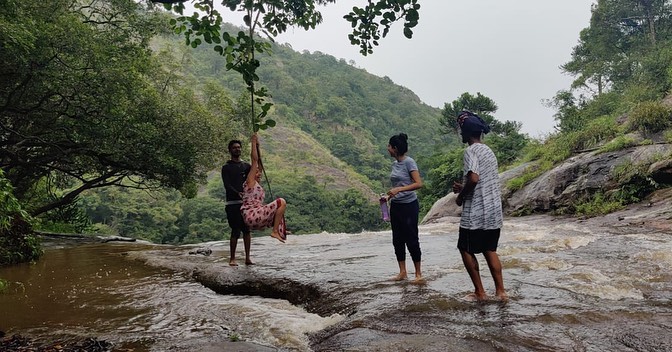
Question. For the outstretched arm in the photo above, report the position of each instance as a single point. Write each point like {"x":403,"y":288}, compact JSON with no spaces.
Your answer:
{"x":254,"y":156}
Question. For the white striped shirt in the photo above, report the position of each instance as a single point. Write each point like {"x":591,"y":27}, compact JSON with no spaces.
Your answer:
{"x":482,"y":208}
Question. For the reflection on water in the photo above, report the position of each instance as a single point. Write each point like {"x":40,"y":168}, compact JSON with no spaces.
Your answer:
{"x":572,"y":287}
{"x":93,"y":290}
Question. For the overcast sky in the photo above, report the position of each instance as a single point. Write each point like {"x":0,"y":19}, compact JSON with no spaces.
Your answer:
{"x":508,"y":50}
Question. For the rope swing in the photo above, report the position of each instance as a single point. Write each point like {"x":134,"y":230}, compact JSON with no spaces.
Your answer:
{"x":254,"y":118}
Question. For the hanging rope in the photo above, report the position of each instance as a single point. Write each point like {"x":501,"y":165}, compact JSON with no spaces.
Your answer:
{"x":264,"y":170}
{"x":254,"y":118}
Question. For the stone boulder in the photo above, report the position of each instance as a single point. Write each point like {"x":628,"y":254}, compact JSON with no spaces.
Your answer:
{"x":577,"y":176}
{"x":661,"y":171}
{"x":443,"y":207}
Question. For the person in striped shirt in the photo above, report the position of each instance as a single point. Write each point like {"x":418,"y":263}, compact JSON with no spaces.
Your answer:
{"x":479,"y":195}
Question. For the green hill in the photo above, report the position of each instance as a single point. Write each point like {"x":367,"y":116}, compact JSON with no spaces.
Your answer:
{"x":348,"y":110}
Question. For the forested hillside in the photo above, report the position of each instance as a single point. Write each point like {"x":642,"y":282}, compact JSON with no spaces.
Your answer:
{"x":349,"y":111}
{"x":327,"y":156}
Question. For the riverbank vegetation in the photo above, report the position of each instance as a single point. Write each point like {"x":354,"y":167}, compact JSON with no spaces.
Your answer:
{"x":623,"y":73}
{"x":17,"y":242}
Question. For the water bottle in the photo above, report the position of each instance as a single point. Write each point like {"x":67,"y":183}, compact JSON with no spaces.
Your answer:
{"x":383,"y":207}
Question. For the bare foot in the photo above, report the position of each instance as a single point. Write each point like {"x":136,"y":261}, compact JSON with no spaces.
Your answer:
{"x":249,"y":262}
{"x":399,"y":277}
{"x":277,"y":236}
{"x":473,"y":297}
{"x":419,"y":280}
{"x":233,"y":263}
{"x":502,"y":296}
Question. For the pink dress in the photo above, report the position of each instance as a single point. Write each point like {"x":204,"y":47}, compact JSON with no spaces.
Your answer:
{"x":256,"y":215}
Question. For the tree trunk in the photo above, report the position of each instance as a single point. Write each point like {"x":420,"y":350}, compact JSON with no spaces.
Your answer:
{"x":650,"y":19}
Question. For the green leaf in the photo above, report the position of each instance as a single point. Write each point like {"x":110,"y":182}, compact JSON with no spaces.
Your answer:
{"x":412,"y":16}
{"x":408,"y":33}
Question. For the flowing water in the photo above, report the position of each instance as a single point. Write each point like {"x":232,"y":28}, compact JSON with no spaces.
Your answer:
{"x":573,"y":287}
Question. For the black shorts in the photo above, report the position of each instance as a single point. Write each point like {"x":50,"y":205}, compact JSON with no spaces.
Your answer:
{"x":478,"y":241}
{"x":235,"y":219}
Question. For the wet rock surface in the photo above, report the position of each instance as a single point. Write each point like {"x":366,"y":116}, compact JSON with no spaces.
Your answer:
{"x":543,"y":257}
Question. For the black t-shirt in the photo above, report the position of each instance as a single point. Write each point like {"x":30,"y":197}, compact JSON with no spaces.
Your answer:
{"x":233,"y":174}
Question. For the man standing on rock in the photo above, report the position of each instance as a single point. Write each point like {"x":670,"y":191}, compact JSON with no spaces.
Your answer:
{"x":233,"y":175}
{"x":481,"y":201}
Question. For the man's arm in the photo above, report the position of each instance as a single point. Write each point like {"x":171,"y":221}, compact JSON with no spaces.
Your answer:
{"x":472,"y":181}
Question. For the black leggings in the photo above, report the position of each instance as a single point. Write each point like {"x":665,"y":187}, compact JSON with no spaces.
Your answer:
{"x":404,"y":220}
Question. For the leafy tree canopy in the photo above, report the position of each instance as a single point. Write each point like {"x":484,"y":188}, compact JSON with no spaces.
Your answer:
{"x":84,"y":104}
{"x":479,"y":104}
{"x":626,"y":51}
{"x":370,"y":23}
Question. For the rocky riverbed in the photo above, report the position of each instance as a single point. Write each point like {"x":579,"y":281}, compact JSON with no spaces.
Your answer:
{"x":600,"y":283}
{"x":590,"y":284}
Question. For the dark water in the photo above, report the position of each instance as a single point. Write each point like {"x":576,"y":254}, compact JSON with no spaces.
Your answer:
{"x":573,"y":287}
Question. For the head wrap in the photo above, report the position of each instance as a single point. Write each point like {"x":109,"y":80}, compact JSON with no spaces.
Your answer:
{"x":471,"y":124}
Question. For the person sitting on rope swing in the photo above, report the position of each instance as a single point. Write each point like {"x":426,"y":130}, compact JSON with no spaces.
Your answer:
{"x":256,"y":214}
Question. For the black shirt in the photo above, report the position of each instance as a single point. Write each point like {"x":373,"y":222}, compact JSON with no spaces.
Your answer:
{"x":233,"y":174}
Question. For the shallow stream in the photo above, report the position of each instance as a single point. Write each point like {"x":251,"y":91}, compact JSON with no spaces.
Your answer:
{"x":572,"y":287}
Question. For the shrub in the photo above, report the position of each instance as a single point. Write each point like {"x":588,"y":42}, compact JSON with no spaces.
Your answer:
{"x":531,"y":172}
{"x":605,"y":104}
{"x":637,"y":93}
{"x":560,"y":147}
{"x":635,"y":182}
{"x":668,"y":136}
{"x":598,"y":204}
{"x":597,"y":131}
{"x":650,"y":117}
{"x":17,"y":243}
{"x":533,"y":150}
{"x":618,"y":143}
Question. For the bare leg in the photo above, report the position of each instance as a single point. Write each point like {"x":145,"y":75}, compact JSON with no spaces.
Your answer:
{"x":496,"y":270}
{"x":279,"y":213}
{"x":418,"y":273}
{"x":471,"y":264}
{"x":402,"y":272}
{"x":247,"y":240}
{"x":233,"y":243}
